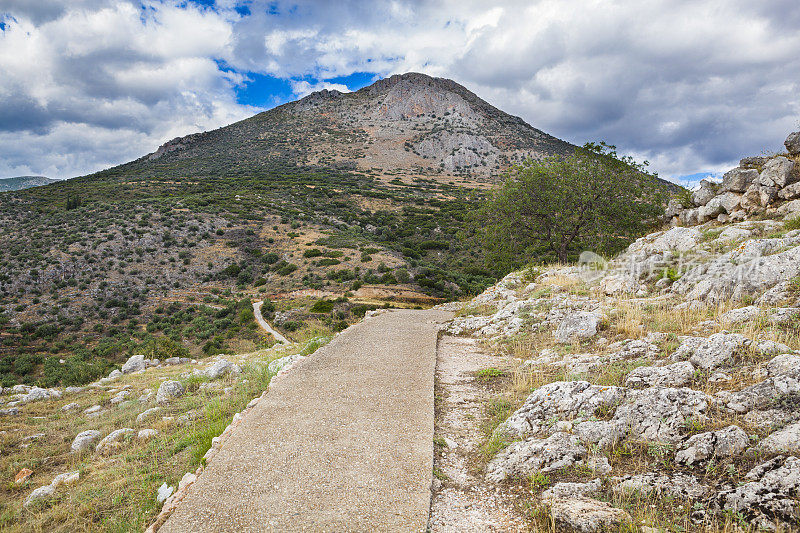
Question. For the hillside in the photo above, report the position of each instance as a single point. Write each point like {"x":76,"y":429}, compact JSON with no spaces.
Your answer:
{"x":596,"y":397}
{"x":291,"y":206}
{"x":23,"y":182}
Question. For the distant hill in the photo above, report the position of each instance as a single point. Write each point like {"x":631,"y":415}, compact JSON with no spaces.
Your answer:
{"x":23,"y":182}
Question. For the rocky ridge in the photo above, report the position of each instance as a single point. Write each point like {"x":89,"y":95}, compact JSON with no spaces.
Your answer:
{"x":669,"y":373}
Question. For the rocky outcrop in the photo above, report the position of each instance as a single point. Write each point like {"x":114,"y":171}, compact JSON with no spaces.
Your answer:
{"x":757,"y":186}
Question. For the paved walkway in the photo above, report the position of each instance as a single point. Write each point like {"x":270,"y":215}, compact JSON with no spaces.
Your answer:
{"x":265,"y":325}
{"x":343,"y":442}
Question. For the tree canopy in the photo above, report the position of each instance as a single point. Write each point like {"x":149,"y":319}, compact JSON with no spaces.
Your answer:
{"x":556,"y":207}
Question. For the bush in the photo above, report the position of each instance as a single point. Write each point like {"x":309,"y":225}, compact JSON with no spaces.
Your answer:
{"x":313,"y":252}
{"x":322,"y":306}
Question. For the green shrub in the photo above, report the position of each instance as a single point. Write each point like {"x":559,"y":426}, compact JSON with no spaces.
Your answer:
{"x":322,"y":306}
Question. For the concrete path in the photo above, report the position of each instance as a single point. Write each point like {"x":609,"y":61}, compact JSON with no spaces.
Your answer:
{"x":343,"y":442}
{"x":265,"y":325}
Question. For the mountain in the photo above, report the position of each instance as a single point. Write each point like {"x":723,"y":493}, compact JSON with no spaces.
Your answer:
{"x":23,"y":182}
{"x":405,"y":125}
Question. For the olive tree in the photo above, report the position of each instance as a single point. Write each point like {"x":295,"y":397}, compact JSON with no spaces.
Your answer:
{"x":555,"y":207}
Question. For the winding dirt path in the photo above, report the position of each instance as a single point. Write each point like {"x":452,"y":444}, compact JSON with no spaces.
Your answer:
{"x":343,"y":442}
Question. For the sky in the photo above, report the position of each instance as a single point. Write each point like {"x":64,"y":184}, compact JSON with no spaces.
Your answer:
{"x":689,"y":85}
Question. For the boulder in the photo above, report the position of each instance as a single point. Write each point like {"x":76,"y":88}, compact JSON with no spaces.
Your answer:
{"x":70,"y":406}
{"x":732,"y":233}
{"x":790,"y":192}
{"x":770,"y":495}
{"x":789,"y":209}
{"x":726,"y":442}
{"x":674,"y":208}
{"x":674,"y":375}
{"x":114,"y":440}
{"x":168,"y":391}
{"x":792,"y":143}
{"x":577,"y":326}
{"x":659,"y":414}
{"x":220,"y":368}
{"x":784,"y":364}
{"x":146,"y":415}
{"x":711,"y":352}
{"x":743,"y":314}
{"x":586,"y":515}
{"x":279,"y":364}
{"x":41,"y":494}
{"x":146,"y":434}
{"x":738,"y":180}
{"x":689,"y":217}
{"x":680,"y":486}
{"x":753,"y":161}
{"x":777,"y":173}
{"x":706,"y":192}
{"x":135,"y":363}
{"x":559,"y":400}
{"x":758,"y":196}
{"x":84,"y":440}
{"x":37,"y":393}
{"x":786,"y":440}
{"x":560,"y":450}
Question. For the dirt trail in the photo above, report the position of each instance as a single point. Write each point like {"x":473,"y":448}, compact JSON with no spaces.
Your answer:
{"x":343,"y":442}
{"x":463,"y":501}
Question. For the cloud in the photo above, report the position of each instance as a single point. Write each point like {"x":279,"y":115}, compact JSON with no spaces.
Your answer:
{"x":691,"y":85}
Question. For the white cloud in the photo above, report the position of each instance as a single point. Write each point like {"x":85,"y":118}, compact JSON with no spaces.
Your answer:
{"x":690,"y":85}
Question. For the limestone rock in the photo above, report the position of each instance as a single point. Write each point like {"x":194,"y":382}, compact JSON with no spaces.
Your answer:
{"x":790,"y":192}
{"x":577,"y":326}
{"x":706,"y":192}
{"x":743,"y":314}
{"x":777,"y":173}
{"x":725,"y":442}
{"x":168,"y":391}
{"x":120,"y":397}
{"x":571,"y":490}
{"x":560,"y":450}
{"x":84,"y":440}
{"x":674,"y":375}
{"x":786,"y":440}
{"x":586,"y":515}
{"x":220,"y":368}
{"x":67,"y":478}
{"x":738,"y":179}
{"x":164,"y":492}
{"x":146,"y":415}
{"x":41,"y":494}
{"x":682,"y":486}
{"x":278,"y":364}
{"x":134,"y":364}
{"x":659,"y":414}
{"x":114,"y":440}
{"x":792,"y":143}
{"x":711,"y":352}
{"x":770,"y":495}
{"x":784,"y":364}
{"x":560,"y":400}
{"x":70,"y":406}
{"x":146,"y":434}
